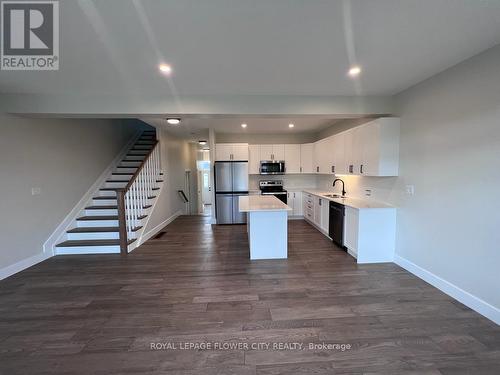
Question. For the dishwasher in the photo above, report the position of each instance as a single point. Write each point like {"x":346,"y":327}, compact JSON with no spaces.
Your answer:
{"x":336,"y":224}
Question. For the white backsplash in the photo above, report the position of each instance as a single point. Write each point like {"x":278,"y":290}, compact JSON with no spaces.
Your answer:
{"x":297,"y":181}
{"x":384,"y":189}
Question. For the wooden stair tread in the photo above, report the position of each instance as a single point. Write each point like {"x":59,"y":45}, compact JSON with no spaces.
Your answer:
{"x":75,"y":243}
{"x":98,"y":229}
{"x":101,"y":208}
{"x":90,"y":218}
{"x":109,"y":217}
{"x":120,"y":181}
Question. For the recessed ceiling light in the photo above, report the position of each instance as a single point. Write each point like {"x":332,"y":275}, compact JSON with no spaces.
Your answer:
{"x":174,"y":121}
{"x":243,"y":125}
{"x":354,"y":71}
{"x":202,"y":142}
{"x":291,"y":125}
{"x":165,"y":68}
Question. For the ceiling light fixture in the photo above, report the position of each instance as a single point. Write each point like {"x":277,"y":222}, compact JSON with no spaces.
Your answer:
{"x":165,"y":68}
{"x":291,"y":125}
{"x":174,"y":121}
{"x":243,"y":126}
{"x":354,"y":71}
{"x":203,"y":143}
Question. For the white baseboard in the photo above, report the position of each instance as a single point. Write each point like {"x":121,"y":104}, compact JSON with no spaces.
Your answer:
{"x":159,"y":227}
{"x":23,"y":264}
{"x":66,"y":224}
{"x":469,"y":300}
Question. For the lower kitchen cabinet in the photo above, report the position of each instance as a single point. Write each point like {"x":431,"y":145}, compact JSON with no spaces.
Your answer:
{"x":308,"y":206}
{"x":370,"y":234}
{"x":294,"y":200}
{"x":319,"y":211}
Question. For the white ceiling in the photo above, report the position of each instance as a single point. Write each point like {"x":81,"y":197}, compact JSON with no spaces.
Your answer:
{"x":279,"y":47}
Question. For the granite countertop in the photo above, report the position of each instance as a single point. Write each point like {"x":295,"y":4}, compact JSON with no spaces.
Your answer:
{"x":252,"y":203}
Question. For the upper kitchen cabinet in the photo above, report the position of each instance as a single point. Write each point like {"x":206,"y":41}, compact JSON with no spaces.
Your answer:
{"x":306,"y":158}
{"x":231,"y":151}
{"x":272,"y":152}
{"x":373,"y":148}
{"x":322,"y":156}
{"x":338,"y":164}
{"x":254,"y":159}
{"x":292,"y":158}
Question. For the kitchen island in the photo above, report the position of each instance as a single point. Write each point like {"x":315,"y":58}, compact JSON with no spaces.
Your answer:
{"x":267,"y":226}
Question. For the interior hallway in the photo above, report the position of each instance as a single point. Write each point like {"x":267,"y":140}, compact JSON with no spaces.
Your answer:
{"x":194,"y":282}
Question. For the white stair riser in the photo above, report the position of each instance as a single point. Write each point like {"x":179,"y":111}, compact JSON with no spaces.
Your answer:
{"x":106,"y":212}
{"x":104,"y":202}
{"x":127,"y":170}
{"x":96,"y":223}
{"x":132,"y":164}
{"x":134,"y":158}
{"x":121,"y":177}
{"x":115,"y":184}
{"x":93,"y":236}
{"x":107,"y":193}
{"x":87,"y":250}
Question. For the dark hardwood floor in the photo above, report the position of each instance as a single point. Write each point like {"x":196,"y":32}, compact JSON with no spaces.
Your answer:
{"x":194,"y":282}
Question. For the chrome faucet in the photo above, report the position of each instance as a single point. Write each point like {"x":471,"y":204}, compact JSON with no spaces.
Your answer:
{"x":343,"y":186}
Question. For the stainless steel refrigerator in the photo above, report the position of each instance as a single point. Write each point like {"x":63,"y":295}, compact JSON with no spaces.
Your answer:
{"x":231,"y":182}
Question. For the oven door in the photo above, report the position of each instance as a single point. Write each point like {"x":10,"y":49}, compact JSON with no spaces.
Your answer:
{"x":272,"y":167}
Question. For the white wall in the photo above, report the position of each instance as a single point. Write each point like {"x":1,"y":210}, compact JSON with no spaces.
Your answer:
{"x":175,"y":160}
{"x":450,"y":152}
{"x":63,"y":158}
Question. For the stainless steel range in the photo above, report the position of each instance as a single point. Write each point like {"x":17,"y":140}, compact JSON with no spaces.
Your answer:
{"x":273,"y":187}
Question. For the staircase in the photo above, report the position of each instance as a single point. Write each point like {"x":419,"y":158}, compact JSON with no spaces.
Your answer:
{"x":113,"y":220}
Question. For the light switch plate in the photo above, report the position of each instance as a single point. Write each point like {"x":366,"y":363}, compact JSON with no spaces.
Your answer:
{"x":36,"y":191}
{"x":410,"y":189}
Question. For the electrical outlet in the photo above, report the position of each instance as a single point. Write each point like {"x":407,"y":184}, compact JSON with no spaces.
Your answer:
{"x":36,"y":191}
{"x":410,"y":189}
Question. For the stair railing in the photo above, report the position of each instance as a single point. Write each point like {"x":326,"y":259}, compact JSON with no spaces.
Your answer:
{"x":133,"y":199}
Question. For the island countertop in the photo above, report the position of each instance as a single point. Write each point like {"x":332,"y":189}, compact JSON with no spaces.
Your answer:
{"x":253,"y":203}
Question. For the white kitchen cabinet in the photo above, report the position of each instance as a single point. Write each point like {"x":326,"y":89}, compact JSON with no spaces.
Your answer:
{"x":254,"y":159}
{"x":308,"y":206}
{"x":372,"y":149}
{"x":322,"y":150}
{"x":370,"y":234}
{"x":325,"y":215}
{"x":294,"y":200}
{"x":292,"y":158}
{"x":317,"y":211}
{"x":272,"y":152}
{"x":306,"y":158}
{"x":351,"y":230}
{"x":338,"y":165}
{"x":231,"y":151}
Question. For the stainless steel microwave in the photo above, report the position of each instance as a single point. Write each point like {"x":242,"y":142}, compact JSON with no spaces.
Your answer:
{"x":272,"y":167}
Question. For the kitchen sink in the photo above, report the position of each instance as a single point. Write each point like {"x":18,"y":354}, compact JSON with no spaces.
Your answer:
{"x":333,"y":196}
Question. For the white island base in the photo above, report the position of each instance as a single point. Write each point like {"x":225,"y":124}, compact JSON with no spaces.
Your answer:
{"x":267,"y":226}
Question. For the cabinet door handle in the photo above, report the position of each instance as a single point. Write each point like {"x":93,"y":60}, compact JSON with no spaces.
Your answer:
{"x":361,"y":169}
{"x":351,"y":168}
{"x":317,"y":169}
{"x":333,"y":168}
{"x":300,"y":169}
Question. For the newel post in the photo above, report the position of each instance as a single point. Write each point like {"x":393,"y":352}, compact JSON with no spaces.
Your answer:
{"x":122,"y":222}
